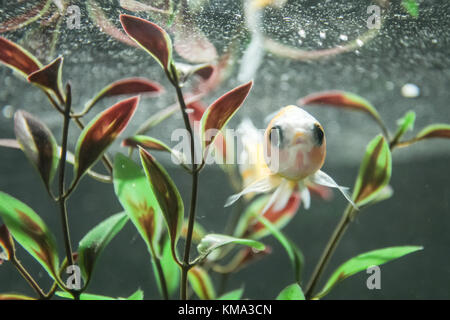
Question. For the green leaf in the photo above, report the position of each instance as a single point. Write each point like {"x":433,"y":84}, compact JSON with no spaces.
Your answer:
{"x":49,"y":78}
{"x":38,"y":144}
{"x":167,"y":195}
{"x":93,"y":243}
{"x":153,"y":144}
{"x":212,"y":242}
{"x":291,"y":292}
{"x":17,"y":58}
{"x":201,"y":283}
{"x":30,"y":232}
{"x":138,"y":200}
{"x":295,"y":255}
{"x":220,"y":112}
{"x":342,"y":99}
{"x":374,"y":173}
{"x":13,"y":296}
{"x":150,"y":37}
{"x":138,"y":295}
{"x":438,"y":130}
{"x":232,"y":295}
{"x":364,"y":261}
{"x":170,"y":268}
{"x":404,"y":124}
{"x":100,"y":133}
{"x":412,"y":7}
{"x":83,"y":296}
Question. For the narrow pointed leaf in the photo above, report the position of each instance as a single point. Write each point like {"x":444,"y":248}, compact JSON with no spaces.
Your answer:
{"x":201,"y":283}
{"x":38,"y":144}
{"x":98,"y":16}
{"x":167,"y":195}
{"x":404,"y":124}
{"x":12,"y":143}
{"x":374,"y":173}
{"x":186,"y":71}
{"x":342,"y":99}
{"x":291,"y":292}
{"x":171,"y":270}
{"x":49,"y":77}
{"x":101,"y":132}
{"x":364,"y":261}
{"x":83,"y":296}
{"x":232,"y":295}
{"x":138,"y":200}
{"x":295,"y":255}
{"x":412,"y":7}
{"x":12,"y":296}
{"x":220,"y":112}
{"x":17,"y":58}
{"x":434,"y":131}
{"x":212,"y":242}
{"x":150,"y":37}
{"x":24,"y":19}
{"x":128,"y":86}
{"x":138,"y":295}
{"x":250,"y":227}
{"x":30,"y":232}
{"x":95,"y":241}
{"x":6,"y":244}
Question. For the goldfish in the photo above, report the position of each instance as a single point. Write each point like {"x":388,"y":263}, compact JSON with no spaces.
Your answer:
{"x":294,"y":153}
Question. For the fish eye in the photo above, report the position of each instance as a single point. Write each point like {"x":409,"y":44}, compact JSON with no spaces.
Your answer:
{"x":318,"y":134}
{"x":276,"y":136}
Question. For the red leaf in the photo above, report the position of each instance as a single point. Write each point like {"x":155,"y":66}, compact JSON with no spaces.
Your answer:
{"x":101,"y":132}
{"x":38,"y":144}
{"x":277,"y":217}
{"x":341,"y":99}
{"x":220,"y":112}
{"x":49,"y":77}
{"x":132,"y":86}
{"x":150,"y":37}
{"x":128,"y":86}
{"x":98,"y":16}
{"x":167,"y":194}
{"x":17,"y":57}
{"x":22,"y":20}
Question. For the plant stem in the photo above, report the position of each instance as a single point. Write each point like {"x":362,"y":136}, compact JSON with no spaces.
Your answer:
{"x":329,"y":250}
{"x":62,"y":165}
{"x":161,"y":277}
{"x":28,"y":278}
{"x":191,"y":220}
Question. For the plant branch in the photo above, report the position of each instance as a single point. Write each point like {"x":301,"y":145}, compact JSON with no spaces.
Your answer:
{"x":62,"y":165}
{"x":329,"y":250}
{"x":191,"y":220}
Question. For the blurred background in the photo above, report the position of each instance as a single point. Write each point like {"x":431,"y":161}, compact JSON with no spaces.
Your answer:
{"x":407,"y":50}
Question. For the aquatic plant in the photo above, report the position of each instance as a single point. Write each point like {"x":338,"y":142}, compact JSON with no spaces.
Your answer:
{"x":150,"y":198}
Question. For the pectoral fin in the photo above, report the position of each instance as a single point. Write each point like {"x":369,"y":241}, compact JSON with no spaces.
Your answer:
{"x":262,"y":185}
{"x":323,"y":179}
